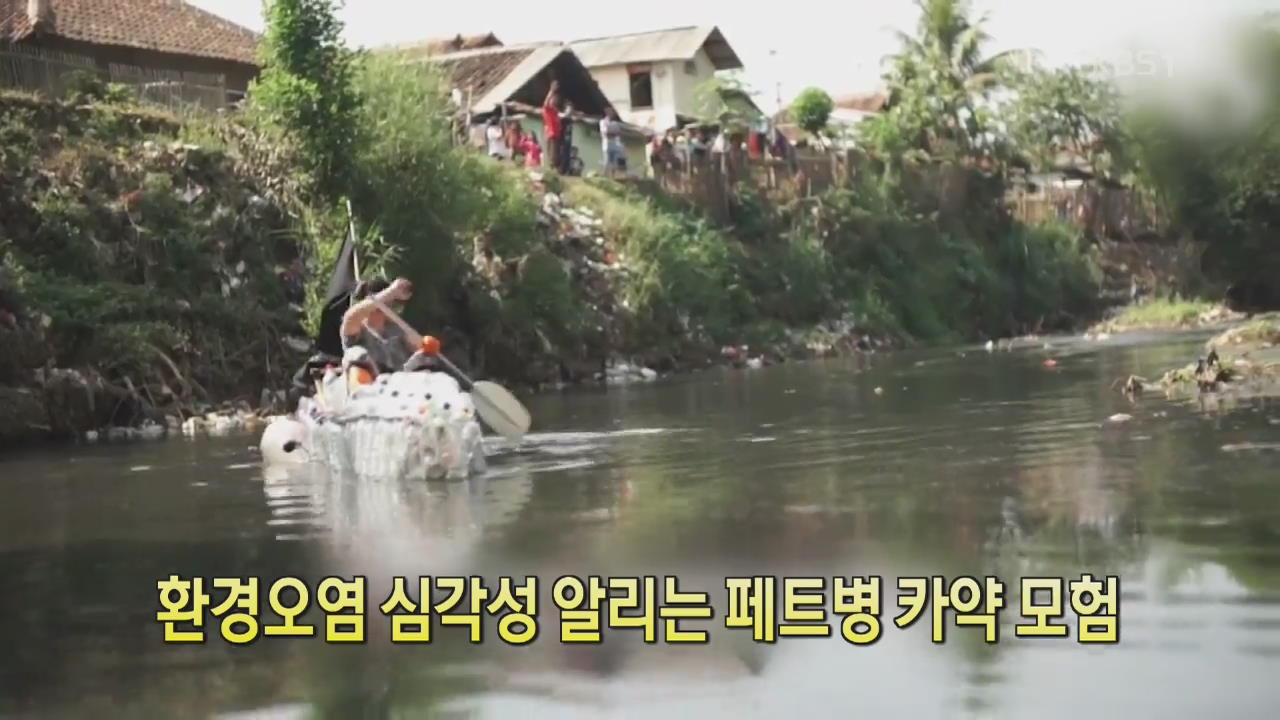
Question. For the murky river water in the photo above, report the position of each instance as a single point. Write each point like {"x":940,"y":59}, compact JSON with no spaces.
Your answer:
{"x":975,"y":465}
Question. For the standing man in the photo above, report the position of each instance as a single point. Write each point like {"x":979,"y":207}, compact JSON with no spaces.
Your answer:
{"x":551,"y":124}
{"x":611,"y":139}
{"x":566,"y":138}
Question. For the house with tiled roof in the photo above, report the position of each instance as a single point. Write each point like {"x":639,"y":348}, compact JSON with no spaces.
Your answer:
{"x":489,"y":78}
{"x":150,"y":39}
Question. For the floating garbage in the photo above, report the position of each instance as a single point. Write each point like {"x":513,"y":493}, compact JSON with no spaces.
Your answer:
{"x":626,"y":373}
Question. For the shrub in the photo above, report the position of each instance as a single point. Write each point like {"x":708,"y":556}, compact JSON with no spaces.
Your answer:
{"x":811,"y":109}
{"x":306,"y":87}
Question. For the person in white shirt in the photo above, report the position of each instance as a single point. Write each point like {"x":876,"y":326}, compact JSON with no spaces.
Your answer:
{"x":497,"y":142}
{"x":615,"y":158}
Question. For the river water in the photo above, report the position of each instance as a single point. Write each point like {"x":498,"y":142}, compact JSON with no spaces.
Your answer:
{"x":965,"y":463}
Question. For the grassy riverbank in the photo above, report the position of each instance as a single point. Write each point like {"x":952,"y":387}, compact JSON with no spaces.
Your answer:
{"x":1170,"y":313}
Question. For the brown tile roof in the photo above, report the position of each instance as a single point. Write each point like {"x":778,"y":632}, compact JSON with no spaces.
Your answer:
{"x":434,"y":47}
{"x":170,"y":26}
{"x":439,"y":46}
{"x":482,"y":70}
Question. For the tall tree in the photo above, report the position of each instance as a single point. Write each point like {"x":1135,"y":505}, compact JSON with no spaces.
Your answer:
{"x":938,"y":82}
{"x":306,"y":87}
{"x":1071,"y":111}
{"x":812,"y":109}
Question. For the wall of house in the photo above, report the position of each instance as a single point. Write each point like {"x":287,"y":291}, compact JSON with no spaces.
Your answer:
{"x":686,"y":84}
{"x":237,"y":75}
{"x":615,"y":82}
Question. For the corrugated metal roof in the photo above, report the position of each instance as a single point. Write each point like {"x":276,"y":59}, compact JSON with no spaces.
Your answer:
{"x":673,"y":44}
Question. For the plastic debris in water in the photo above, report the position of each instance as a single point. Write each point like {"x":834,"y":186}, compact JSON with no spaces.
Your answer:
{"x":1050,"y":363}
{"x":1120,"y":417}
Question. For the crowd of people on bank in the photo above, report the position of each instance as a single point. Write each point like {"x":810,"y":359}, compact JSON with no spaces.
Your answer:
{"x":506,"y":139}
{"x":681,"y":149}
{"x":677,"y":149}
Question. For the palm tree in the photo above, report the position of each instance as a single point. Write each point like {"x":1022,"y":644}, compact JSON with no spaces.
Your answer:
{"x":941,"y":73}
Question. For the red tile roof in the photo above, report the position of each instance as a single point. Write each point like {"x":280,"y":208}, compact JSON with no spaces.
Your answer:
{"x":170,"y":26}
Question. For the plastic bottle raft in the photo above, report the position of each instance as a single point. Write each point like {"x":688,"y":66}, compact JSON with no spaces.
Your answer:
{"x":402,"y":425}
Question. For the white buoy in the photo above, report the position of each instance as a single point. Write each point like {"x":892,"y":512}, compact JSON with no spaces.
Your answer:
{"x":283,"y":442}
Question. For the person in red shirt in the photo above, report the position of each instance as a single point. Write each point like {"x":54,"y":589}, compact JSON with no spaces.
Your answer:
{"x":532,"y":153}
{"x":551,"y":122}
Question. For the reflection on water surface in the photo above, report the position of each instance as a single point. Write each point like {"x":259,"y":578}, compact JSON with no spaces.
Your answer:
{"x":967,"y":463}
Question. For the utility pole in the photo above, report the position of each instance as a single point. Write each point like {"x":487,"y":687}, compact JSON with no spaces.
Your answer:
{"x":773,"y":55}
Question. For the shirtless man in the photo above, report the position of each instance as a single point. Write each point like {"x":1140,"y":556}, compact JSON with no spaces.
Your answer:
{"x":364,"y":325}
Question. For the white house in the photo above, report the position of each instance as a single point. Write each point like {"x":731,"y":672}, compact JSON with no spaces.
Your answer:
{"x":652,"y":78}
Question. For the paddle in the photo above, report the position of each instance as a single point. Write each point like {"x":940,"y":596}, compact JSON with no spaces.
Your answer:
{"x":495,"y":405}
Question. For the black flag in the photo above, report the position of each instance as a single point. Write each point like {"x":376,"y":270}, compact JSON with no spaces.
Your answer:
{"x":341,"y":286}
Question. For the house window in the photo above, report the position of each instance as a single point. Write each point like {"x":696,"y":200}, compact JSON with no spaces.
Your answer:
{"x":641,"y":88}
{"x":690,"y":67}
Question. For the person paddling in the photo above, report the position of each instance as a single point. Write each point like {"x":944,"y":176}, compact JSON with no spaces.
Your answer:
{"x":364,"y":325}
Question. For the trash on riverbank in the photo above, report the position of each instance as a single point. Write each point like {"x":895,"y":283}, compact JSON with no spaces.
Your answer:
{"x":1244,"y":360}
{"x":624,"y":373}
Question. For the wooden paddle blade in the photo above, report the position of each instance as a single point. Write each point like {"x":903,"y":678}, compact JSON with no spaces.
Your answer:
{"x":500,"y":410}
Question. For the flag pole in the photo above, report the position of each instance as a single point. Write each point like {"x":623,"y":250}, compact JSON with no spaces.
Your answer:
{"x":355,"y":254}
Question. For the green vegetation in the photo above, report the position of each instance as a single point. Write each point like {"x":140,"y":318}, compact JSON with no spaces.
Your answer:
{"x":938,"y":84}
{"x":811,"y":109}
{"x":169,"y":259}
{"x":1173,"y":312}
{"x":306,"y":88}
{"x":1061,"y":113}
{"x":1262,"y":332}
{"x":154,"y":266}
{"x":1216,"y":176}
{"x":726,"y":98}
